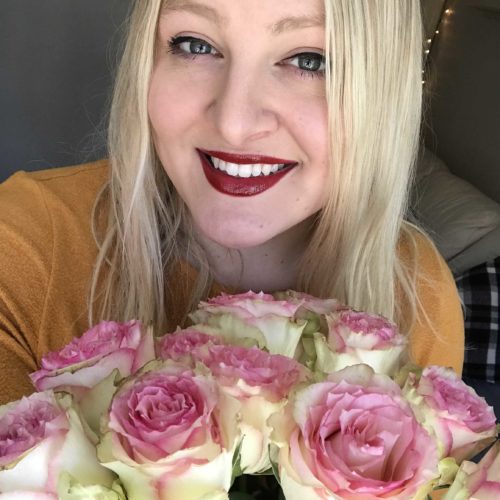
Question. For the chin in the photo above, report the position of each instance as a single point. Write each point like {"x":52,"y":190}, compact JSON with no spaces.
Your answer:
{"x":236,"y":240}
{"x":235,"y":235}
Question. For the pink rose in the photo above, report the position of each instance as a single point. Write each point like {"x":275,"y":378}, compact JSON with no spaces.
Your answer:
{"x":246,"y":372}
{"x":87,"y":360}
{"x":252,"y":319}
{"x":89,"y":366}
{"x":183,"y":343}
{"x":461,"y":421}
{"x":42,"y":437}
{"x":353,"y":436}
{"x":353,"y":329}
{"x":358,"y":337}
{"x":478,"y":481}
{"x":170,"y":434}
{"x":249,"y":305}
{"x":261,"y":383}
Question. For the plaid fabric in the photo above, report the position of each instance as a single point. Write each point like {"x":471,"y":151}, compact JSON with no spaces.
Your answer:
{"x":479,"y":288}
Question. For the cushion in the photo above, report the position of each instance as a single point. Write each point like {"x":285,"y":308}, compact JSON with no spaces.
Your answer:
{"x":486,"y":248}
{"x":479,"y":289}
{"x":454,"y":213}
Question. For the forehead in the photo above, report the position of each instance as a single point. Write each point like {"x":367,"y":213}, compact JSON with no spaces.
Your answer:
{"x":279,"y":14}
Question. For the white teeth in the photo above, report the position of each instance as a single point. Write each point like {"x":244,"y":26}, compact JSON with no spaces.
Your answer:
{"x":256,"y":170}
{"x":232,"y":169}
{"x":246,"y":170}
{"x":266,"y":169}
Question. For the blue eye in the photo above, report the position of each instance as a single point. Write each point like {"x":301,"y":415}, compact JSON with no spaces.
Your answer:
{"x":311,"y":62}
{"x":190,"y":46}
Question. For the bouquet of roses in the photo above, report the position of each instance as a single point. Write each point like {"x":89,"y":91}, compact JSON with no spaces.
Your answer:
{"x":304,"y":389}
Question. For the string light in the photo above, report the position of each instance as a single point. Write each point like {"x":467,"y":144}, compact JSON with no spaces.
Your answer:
{"x":446,"y":13}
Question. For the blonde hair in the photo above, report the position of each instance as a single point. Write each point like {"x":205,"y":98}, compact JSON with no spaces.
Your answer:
{"x":374,"y":89}
{"x":374,"y":102}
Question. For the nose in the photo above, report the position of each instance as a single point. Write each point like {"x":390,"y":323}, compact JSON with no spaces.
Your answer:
{"x":242,"y":107}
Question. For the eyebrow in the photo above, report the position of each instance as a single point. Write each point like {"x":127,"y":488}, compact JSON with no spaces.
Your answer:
{"x":196,"y":8}
{"x":296,"y":22}
{"x":285,"y":24}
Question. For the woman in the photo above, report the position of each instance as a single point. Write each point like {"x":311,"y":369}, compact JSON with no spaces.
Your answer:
{"x":253,"y":145}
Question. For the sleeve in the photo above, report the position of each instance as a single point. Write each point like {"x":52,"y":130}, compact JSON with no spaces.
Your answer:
{"x":437,"y":337}
{"x":25,"y":271}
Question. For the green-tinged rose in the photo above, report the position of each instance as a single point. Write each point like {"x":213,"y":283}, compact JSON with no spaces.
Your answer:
{"x":462,"y":423}
{"x":353,"y":436}
{"x":171,"y":434}
{"x":252,"y":318}
{"x":357,"y":337}
{"x":89,"y":365}
{"x":41,"y":437}
{"x":260,"y":381}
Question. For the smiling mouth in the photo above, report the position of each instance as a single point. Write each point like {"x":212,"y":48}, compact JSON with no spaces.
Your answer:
{"x":243,"y":175}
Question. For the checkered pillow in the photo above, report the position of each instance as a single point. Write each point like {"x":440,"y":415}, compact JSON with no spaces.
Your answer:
{"x":479,"y":288}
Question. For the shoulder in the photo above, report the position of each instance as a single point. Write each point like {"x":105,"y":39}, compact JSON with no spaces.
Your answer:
{"x":40,"y":209}
{"x":47,"y":249}
{"x":35,"y":201}
{"x":419,"y":255}
{"x":63,"y":183}
{"x":437,"y":337}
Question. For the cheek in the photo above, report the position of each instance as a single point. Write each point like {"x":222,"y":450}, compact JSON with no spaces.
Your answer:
{"x":166,"y":100}
{"x":310,"y":128}
{"x":176,"y":100}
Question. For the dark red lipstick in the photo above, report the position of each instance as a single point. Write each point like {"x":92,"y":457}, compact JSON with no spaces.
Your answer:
{"x":242,"y":186}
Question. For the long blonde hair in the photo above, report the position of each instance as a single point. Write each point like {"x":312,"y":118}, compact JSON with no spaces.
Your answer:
{"x":374,"y":101}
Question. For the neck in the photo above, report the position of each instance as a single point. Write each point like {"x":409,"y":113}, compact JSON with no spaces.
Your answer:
{"x":271,"y":266}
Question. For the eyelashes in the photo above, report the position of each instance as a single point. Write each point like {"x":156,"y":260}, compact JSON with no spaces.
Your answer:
{"x":311,"y":64}
{"x":190,"y":47}
{"x":305,"y":64}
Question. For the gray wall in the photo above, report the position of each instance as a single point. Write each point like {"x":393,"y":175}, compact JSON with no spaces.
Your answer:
{"x":464,"y":115}
{"x":56,"y":59}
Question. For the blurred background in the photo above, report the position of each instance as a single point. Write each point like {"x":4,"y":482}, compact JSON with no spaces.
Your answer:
{"x":57,"y":59}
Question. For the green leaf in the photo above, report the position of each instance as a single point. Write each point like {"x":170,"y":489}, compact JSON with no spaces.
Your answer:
{"x":237,"y":470}
{"x":274,"y":466}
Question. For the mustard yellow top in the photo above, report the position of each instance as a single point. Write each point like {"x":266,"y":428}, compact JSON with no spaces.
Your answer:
{"x":47,"y":254}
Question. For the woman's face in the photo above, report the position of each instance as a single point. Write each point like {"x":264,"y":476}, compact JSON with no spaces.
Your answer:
{"x":238,"y":109}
